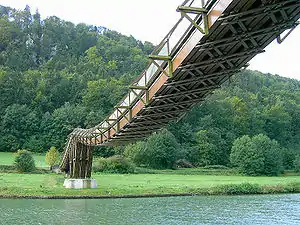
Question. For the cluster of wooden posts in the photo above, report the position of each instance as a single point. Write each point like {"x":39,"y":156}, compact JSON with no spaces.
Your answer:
{"x":79,"y":160}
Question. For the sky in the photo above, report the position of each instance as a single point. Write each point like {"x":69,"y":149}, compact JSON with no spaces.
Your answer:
{"x":150,"y":20}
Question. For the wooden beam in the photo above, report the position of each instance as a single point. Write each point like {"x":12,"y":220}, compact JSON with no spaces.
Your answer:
{"x":183,"y":93}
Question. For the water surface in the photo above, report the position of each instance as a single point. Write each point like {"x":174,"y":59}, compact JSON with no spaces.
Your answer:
{"x":258,"y":209}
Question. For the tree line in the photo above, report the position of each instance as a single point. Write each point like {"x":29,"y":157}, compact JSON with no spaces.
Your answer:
{"x":56,"y":76}
{"x":252,"y":123}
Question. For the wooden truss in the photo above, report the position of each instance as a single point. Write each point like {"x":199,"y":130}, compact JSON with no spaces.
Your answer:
{"x":221,"y":38}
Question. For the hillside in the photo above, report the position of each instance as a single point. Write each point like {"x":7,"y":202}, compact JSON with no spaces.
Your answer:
{"x":56,"y":76}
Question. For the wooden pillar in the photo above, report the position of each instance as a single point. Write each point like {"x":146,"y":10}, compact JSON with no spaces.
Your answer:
{"x":80,"y":160}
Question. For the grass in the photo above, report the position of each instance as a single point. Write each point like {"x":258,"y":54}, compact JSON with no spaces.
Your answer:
{"x":12,"y":184}
{"x":7,"y":158}
{"x":204,"y":181}
{"x":188,"y":171}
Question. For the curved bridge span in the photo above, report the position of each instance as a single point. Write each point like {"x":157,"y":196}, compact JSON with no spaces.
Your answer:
{"x":212,"y":40}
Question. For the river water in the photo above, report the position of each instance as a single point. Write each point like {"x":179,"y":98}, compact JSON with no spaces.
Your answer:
{"x":257,"y":209}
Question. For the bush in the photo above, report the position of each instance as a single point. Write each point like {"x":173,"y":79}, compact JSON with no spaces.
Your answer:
{"x":114,"y":164}
{"x":134,"y":152}
{"x":256,"y":156}
{"x":24,"y":161}
{"x":52,"y":157}
{"x":217,"y":167}
{"x":183,"y":163}
{"x":161,"y":151}
{"x":238,"y":189}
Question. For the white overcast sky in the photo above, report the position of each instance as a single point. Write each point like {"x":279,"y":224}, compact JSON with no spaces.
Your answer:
{"x":150,"y":20}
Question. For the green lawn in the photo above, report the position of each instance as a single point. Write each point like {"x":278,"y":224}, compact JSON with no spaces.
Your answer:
{"x":133,"y":184}
{"x":7,"y":158}
{"x":146,"y":182}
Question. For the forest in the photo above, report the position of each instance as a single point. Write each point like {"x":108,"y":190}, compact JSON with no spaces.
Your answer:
{"x":56,"y":76}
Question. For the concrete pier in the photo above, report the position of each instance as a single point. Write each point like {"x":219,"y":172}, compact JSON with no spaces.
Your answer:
{"x":80,"y":183}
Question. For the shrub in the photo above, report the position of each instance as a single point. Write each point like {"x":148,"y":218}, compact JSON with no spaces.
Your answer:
{"x":24,"y":161}
{"x":161,"y":151}
{"x":183,"y":163}
{"x":237,"y":189}
{"x":256,"y":156}
{"x":134,"y":152}
{"x":52,"y":157}
{"x":218,"y":167}
{"x":114,"y":164}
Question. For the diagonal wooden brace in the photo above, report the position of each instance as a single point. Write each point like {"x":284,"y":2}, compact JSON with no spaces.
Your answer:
{"x":112,"y":124}
{"x":133,"y":88}
{"x":124,"y":114}
{"x":164,"y":58}
{"x":184,"y":10}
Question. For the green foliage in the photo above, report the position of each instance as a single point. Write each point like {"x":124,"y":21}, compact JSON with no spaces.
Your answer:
{"x":146,"y":184}
{"x":35,"y":143}
{"x":9,"y":143}
{"x":161,"y":150}
{"x":211,"y":147}
{"x":19,"y":123}
{"x":183,"y":163}
{"x":256,"y":156}
{"x":219,"y":167}
{"x":56,"y":76}
{"x":114,"y":164}
{"x":297,"y":164}
{"x":134,"y":152}
{"x":52,"y":157}
{"x":24,"y":161}
{"x":238,"y":189}
{"x":288,"y":157}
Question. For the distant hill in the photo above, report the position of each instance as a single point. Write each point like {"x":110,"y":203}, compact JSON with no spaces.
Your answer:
{"x":55,"y":76}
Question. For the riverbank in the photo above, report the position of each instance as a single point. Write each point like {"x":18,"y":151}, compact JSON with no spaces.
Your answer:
{"x":13,"y":185}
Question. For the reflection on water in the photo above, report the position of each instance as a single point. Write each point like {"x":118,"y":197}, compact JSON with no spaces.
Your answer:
{"x":258,"y":209}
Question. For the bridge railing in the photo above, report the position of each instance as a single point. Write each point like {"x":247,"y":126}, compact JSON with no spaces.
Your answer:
{"x":168,"y":47}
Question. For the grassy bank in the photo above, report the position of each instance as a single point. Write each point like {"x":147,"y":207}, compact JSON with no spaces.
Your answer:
{"x":7,"y":158}
{"x":14,"y":185}
{"x":147,"y":182}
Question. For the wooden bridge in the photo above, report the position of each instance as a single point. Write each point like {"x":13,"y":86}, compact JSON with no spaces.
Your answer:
{"x":212,"y":40}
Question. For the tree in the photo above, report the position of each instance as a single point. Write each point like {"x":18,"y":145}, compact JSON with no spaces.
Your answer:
{"x":297,"y":164}
{"x":24,"y":161}
{"x":161,"y":150}
{"x":56,"y":76}
{"x":211,"y":146}
{"x":134,"y":152}
{"x":64,"y":120}
{"x":19,"y":123}
{"x":288,"y":158}
{"x":258,"y":155}
{"x":52,"y":157}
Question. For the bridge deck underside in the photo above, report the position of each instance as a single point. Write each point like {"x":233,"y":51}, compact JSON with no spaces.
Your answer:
{"x":238,"y":31}
{"x":234,"y":39}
